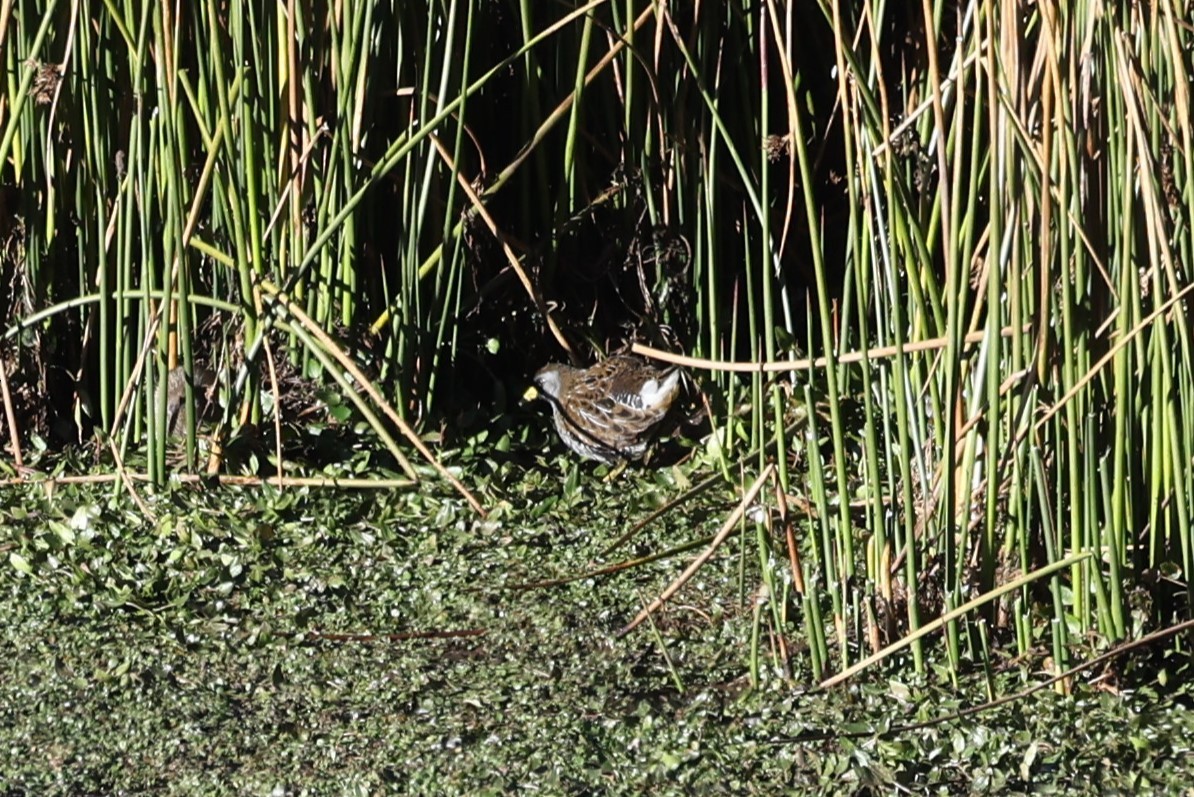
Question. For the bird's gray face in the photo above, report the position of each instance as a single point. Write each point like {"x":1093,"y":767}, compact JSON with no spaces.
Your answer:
{"x":548,"y":382}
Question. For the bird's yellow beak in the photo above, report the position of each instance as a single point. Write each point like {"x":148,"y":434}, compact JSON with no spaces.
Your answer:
{"x":531,"y":393}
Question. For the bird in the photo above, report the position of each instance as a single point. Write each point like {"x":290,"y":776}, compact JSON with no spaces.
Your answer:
{"x":611,"y":411}
{"x":176,"y":387}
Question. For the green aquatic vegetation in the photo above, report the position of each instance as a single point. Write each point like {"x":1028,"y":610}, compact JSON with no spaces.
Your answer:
{"x":248,"y":640}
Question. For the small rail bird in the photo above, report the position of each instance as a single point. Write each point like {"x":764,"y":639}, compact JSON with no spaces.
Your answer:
{"x":176,"y":395}
{"x":611,"y":411}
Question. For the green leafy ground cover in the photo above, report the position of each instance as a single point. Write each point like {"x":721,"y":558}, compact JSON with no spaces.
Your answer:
{"x":241,"y":644}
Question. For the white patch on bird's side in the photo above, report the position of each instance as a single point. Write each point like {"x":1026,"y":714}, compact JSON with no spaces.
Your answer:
{"x":654,"y":392}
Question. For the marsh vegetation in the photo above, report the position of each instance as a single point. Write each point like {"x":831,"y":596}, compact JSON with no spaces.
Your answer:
{"x":926,"y":269}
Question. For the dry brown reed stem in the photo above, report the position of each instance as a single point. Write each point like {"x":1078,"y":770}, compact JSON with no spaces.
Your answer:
{"x":948,"y":617}
{"x":10,"y":416}
{"x":273,"y":380}
{"x":539,"y":135}
{"x":523,"y":277}
{"x":731,"y":523}
{"x":1065,"y":676}
{"x":558,"y":112}
{"x":781,"y":366}
{"x":1106,"y":358}
{"x":348,"y":365}
{"x":51,"y":482}
{"x":617,"y":567}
